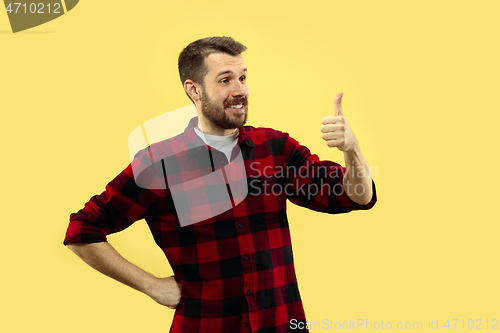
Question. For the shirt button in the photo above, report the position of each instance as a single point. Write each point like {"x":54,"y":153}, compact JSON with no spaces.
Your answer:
{"x":249,"y":292}
{"x":245,"y":325}
{"x":222,"y":162}
{"x":245,"y":257}
{"x":240,"y":225}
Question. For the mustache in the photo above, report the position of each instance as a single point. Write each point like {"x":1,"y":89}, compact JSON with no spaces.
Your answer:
{"x":238,"y":100}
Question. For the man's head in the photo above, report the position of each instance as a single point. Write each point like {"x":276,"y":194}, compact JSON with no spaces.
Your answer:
{"x":214,"y":77}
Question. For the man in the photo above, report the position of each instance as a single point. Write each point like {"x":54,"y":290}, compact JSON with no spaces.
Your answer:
{"x":233,"y":267}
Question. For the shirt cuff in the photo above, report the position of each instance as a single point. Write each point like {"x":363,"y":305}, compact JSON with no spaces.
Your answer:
{"x":356,"y":206}
{"x":82,"y":232}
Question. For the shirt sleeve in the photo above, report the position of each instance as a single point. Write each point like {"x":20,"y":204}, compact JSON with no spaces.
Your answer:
{"x":132,"y":195}
{"x":317,"y":184}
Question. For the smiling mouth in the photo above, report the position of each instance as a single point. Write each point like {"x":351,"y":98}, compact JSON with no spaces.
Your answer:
{"x":235,"y":106}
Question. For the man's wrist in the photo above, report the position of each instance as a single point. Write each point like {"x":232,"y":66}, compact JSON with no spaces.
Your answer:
{"x":149,"y":285}
{"x":353,"y":152}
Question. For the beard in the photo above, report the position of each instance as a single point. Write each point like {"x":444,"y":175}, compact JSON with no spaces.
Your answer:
{"x":217,"y":114}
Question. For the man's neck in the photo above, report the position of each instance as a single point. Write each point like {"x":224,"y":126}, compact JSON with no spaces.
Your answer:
{"x":205,"y":127}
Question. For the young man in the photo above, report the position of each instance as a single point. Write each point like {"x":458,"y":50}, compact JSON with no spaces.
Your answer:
{"x":215,"y":198}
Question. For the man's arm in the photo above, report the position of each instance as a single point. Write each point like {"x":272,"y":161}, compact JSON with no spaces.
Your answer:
{"x":122,"y":203}
{"x":104,"y":258}
{"x":358,"y":177}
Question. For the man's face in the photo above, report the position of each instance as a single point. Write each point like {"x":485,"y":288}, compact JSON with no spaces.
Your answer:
{"x":224,"y":100}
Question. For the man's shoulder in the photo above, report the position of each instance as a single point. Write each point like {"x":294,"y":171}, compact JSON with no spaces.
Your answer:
{"x":164,"y":148}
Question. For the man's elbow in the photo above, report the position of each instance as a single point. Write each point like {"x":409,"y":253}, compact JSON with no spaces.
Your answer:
{"x":73,"y":247}
{"x":77,"y":248}
{"x":365,"y":201}
{"x":361,"y":199}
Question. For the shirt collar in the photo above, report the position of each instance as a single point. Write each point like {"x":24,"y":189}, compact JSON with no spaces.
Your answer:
{"x":194,"y":142}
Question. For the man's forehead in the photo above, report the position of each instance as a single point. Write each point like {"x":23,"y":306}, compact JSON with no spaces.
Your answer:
{"x":222,"y":63}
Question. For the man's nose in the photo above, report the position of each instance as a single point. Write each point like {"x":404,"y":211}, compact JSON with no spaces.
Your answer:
{"x":241,"y":89}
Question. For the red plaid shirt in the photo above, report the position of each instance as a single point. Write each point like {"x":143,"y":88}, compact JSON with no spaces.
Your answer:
{"x":232,"y":253}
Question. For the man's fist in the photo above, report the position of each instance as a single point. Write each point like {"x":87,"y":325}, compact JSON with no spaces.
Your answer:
{"x":336,"y":130}
{"x":166,"y":291}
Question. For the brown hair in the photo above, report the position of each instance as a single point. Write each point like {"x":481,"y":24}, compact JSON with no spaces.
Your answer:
{"x":192,"y":58}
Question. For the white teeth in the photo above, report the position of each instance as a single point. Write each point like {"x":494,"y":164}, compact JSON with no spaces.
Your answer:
{"x":238,"y":106}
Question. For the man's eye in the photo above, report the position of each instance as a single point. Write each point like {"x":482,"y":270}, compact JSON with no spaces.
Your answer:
{"x":243,"y":78}
{"x":224,"y":81}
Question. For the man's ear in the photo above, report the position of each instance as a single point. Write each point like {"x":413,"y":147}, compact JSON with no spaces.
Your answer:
{"x":193,"y":89}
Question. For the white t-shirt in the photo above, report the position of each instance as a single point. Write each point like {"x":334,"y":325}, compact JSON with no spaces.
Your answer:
{"x":224,"y":144}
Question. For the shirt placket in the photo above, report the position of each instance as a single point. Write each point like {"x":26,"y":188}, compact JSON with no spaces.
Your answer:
{"x":246,"y":249}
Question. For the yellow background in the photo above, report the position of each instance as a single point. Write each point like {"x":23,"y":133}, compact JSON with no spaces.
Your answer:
{"x":420,"y":83}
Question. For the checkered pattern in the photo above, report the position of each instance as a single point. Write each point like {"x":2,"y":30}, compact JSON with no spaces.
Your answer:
{"x":236,"y":266}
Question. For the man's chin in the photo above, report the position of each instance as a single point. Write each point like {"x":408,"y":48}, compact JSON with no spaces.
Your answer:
{"x":238,"y":118}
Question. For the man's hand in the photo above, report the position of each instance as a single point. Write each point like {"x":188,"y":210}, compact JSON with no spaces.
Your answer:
{"x":336,"y":130}
{"x":166,"y":291}
{"x":357,"y":180}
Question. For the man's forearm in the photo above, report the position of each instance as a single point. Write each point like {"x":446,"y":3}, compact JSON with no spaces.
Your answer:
{"x":104,"y":258}
{"x":358,"y":177}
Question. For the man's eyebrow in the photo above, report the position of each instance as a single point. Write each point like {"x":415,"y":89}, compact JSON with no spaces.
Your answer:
{"x":229,"y":72}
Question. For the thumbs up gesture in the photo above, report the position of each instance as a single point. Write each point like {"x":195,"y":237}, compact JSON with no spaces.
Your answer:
{"x":336,"y":130}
